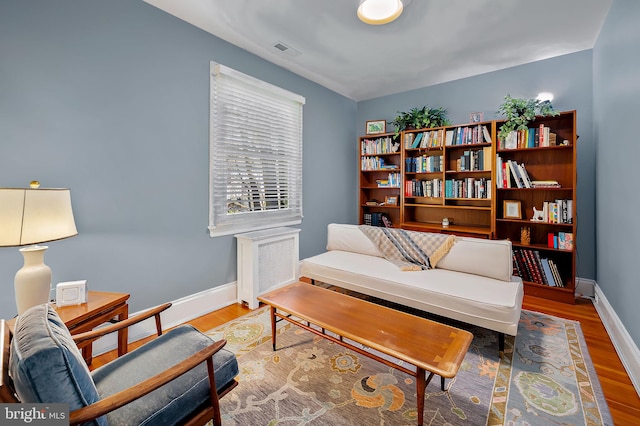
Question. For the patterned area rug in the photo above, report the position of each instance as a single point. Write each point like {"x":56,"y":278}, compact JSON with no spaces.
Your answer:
{"x":545,"y":378}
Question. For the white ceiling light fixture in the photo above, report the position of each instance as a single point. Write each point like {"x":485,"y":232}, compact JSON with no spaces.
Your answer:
{"x":545,"y":96}
{"x":378,"y":12}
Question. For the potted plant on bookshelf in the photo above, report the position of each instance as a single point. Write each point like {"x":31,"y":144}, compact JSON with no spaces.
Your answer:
{"x":420,"y":118}
{"x":519,"y":112}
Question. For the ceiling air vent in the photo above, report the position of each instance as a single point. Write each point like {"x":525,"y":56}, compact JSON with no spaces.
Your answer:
{"x":285,"y":48}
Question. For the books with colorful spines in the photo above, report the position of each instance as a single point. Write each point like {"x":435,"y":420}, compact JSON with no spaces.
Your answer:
{"x":525,"y":176}
{"x":547,"y":273}
{"x":531,"y":138}
{"x":522,"y":272}
{"x":416,"y":140}
{"x":546,"y":136}
{"x":516,"y":266}
{"x":529,"y":264}
{"x":561,"y":244}
{"x":537,"y":268}
{"x":568,"y":240}
{"x":515,"y":172}
{"x":440,"y":137}
{"x":449,"y":137}
{"x":408,"y":140}
{"x":540,"y":268}
{"x":524,"y":266}
{"x":541,"y":136}
{"x":486,"y":134}
{"x":556,"y":273}
{"x":506,"y":178}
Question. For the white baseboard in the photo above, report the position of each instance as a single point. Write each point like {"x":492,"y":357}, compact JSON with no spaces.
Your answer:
{"x":181,"y":310}
{"x":625,"y":346}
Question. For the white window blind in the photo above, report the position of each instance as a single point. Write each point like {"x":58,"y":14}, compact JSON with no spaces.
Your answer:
{"x":255,"y":165}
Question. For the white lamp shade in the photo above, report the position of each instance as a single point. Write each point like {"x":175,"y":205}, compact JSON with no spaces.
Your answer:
{"x":32,"y":216}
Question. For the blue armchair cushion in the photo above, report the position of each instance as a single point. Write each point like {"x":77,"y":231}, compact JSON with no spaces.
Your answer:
{"x":46,"y":365}
{"x":171,"y":403}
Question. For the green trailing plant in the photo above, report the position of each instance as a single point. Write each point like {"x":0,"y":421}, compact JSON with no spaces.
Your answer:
{"x":421,"y":118}
{"x":519,"y":112}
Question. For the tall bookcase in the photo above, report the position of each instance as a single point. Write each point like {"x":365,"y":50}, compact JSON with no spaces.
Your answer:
{"x":380,"y":180}
{"x":546,"y":164}
{"x":448,"y":174}
{"x":415,"y":185}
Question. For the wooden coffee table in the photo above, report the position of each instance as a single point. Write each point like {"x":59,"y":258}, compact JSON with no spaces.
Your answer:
{"x":429,"y":346}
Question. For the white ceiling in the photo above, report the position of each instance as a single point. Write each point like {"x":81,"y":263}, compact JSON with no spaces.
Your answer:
{"x":433,"y":41}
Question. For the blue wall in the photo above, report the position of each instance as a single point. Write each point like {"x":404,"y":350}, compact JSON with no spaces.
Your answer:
{"x":111,"y":99}
{"x":616,"y":67}
{"x":568,"y":77}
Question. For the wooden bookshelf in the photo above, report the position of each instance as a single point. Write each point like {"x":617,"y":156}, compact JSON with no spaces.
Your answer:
{"x":380,"y":160}
{"x":549,"y":163}
{"x":470,"y":214}
{"x":463,"y":158}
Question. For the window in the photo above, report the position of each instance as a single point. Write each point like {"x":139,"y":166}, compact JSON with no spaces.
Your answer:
{"x":255,"y":164}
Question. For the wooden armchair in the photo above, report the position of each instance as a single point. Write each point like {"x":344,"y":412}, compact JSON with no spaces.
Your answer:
{"x":176,"y":378}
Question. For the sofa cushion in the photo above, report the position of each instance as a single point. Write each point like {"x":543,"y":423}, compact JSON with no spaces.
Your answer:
{"x":347,"y":237}
{"x":487,"y":258}
{"x":45,"y":363}
{"x":169,"y":404}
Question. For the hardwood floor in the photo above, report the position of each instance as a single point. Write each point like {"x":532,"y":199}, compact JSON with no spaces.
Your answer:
{"x":621,"y":396}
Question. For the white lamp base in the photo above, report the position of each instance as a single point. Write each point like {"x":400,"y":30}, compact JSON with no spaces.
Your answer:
{"x":33,"y":281}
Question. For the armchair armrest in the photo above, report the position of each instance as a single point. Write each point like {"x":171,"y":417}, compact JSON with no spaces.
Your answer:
{"x":83,"y":339}
{"x":124,"y":397}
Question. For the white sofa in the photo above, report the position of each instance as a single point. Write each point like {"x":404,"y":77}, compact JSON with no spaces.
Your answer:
{"x":472,"y":283}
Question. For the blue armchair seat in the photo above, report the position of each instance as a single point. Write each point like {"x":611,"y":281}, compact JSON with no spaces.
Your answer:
{"x":46,"y":366}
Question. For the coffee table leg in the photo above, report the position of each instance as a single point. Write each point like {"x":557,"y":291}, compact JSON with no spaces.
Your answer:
{"x":421,"y":386}
{"x":273,"y":327}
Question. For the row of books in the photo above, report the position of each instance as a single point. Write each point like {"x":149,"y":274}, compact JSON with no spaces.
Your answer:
{"x":393,"y":181}
{"x":377,"y":219}
{"x":510,"y":174}
{"x":382,"y":145}
{"x":558,"y":211}
{"x":474,"y":160}
{"x":530,"y":266}
{"x":424,"y":164}
{"x":464,"y":135}
{"x":468,"y":135}
{"x":423,"y":188}
{"x":533,"y":137}
{"x":426,"y":139}
{"x":376,"y":163}
{"x":561,"y":240}
{"x":468,"y":188}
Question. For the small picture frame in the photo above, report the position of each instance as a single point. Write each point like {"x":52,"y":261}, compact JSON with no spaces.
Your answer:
{"x":391,"y":200}
{"x":476,"y":117}
{"x":375,"y":127}
{"x":512,"y":209}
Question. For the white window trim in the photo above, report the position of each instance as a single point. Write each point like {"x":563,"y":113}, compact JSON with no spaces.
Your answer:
{"x":218,"y":225}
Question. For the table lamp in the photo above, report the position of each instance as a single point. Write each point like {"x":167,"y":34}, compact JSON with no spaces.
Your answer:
{"x":28,"y":217}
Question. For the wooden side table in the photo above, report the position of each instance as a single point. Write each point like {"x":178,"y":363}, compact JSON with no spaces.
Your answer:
{"x":101,"y":307}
